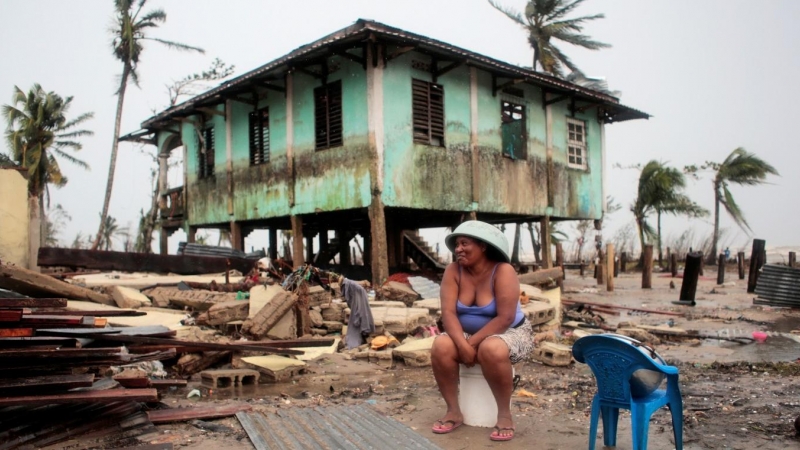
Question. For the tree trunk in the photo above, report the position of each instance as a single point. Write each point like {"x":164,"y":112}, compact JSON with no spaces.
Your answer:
{"x":660,"y":254}
{"x":536,"y":247}
{"x":515,"y":251}
{"x":640,"y":229}
{"x":715,"y":238}
{"x":42,"y":221}
{"x":126,"y":70}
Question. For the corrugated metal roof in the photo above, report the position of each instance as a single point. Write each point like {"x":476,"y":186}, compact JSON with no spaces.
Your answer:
{"x":333,"y":427}
{"x":778,"y":286}
{"x":360,"y":30}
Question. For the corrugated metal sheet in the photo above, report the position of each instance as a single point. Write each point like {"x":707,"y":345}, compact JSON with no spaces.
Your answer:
{"x":363,"y":27}
{"x":334,"y":427}
{"x":778,"y":286}
{"x":185,"y":248}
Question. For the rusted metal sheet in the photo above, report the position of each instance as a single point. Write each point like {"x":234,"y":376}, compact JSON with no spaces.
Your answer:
{"x":140,"y":262}
{"x":20,"y":386}
{"x":109,"y":396}
{"x":200,"y":412}
{"x":344,"y":426}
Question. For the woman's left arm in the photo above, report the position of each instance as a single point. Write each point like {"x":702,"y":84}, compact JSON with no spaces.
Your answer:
{"x":506,"y":291}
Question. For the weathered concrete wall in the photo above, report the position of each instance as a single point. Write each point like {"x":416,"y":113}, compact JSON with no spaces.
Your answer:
{"x":14,"y":218}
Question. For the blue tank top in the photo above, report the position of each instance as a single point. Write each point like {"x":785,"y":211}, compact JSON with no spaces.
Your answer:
{"x":473,"y":318}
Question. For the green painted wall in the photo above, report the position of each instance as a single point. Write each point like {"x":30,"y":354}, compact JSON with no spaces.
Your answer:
{"x":416,"y":176}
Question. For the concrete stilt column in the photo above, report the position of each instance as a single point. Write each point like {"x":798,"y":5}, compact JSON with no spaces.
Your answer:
{"x":163,"y":241}
{"x":237,"y":238}
{"x":273,"y":243}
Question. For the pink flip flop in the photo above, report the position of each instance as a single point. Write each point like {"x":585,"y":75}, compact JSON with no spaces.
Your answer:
{"x":498,"y":437}
{"x":440,"y":428}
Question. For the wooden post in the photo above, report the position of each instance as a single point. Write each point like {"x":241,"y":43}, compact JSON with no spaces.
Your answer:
{"x":309,"y":248}
{"x":600,"y":270}
{"x":163,"y":241}
{"x":583,"y":268}
{"x":560,"y":263}
{"x":721,"y":269}
{"x":617,"y":264}
{"x":623,"y":262}
{"x":297,"y":242}
{"x":755,"y":263}
{"x":673,"y":265}
{"x":740,"y":263}
{"x":611,"y":267}
{"x":544,"y":236}
{"x":273,"y":243}
{"x":691,"y":272}
{"x":191,"y":235}
{"x":647,"y":269}
{"x":792,"y":259}
{"x":237,"y":238}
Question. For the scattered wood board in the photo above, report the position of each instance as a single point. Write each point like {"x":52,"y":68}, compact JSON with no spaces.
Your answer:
{"x":201,"y":412}
{"x":35,"y":284}
{"x":108,"y":396}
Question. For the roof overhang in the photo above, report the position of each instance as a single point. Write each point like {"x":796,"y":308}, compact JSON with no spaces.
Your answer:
{"x":244,"y":87}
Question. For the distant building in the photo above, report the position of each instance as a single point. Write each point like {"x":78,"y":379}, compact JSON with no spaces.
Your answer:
{"x":377,"y":131}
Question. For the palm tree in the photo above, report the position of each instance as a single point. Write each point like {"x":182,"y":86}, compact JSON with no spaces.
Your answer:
{"x":545,"y":21}
{"x":111,"y":231}
{"x":128,"y":35}
{"x":659,"y":192}
{"x":742,"y":168}
{"x":39,"y":134}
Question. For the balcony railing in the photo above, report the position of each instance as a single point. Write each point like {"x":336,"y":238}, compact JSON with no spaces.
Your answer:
{"x":173,"y":204}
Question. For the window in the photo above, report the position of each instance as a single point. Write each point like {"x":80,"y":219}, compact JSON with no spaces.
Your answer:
{"x":428,"y":112}
{"x":513,"y":129}
{"x":576,"y":144}
{"x":328,"y":115}
{"x":205,"y":154}
{"x":259,"y":137}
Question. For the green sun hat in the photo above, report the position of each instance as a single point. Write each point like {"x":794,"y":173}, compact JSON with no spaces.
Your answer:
{"x":481,"y":231}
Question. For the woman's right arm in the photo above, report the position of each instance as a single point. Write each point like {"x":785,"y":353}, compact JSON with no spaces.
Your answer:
{"x":448,"y":295}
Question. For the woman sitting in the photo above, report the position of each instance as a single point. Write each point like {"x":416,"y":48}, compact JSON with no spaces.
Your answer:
{"x":483,"y":323}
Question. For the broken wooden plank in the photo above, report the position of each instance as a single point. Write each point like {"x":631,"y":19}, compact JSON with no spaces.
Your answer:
{"x":16,"y":342}
{"x":18,"y":386}
{"x":29,"y":353}
{"x":35,"y":284}
{"x":259,"y":347}
{"x":94,"y":313}
{"x":201,"y":412}
{"x":644,"y":310}
{"x":33,"y":302}
{"x":140,"y":262}
{"x":109,"y":396}
{"x":16,"y":332}
{"x":150,"y":330}
{"x":10,"y":315}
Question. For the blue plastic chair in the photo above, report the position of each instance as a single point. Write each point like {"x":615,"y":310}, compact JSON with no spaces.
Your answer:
{"x":613,"y":361}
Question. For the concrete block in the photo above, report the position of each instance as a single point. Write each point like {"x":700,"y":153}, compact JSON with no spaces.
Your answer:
{"x":433,"y":305}
{"x":273,"y":367}
{"x":393,"y":290}
{"x":286,"y":328}
{"x":126,"y":297}
{"x":225,"y":312}
{"x":387,"y":303}
{"x":227,"y":378}
{"x":316,"y":318}
{"x":260,"y":296}
{"x":539,"y":312}
{"x":319,"y":331}
{"x":553,"y":354}
{"x":332,"y":326}
{"x":317,"y":295}
{"x":159,"y":296}
{"x":401,"y":320}
{"x":333,"y":312}
{"x":416,"y":353}
{"x":382,"y":358}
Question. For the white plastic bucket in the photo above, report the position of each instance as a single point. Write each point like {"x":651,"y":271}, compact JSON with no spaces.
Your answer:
{"x":475,"y":397}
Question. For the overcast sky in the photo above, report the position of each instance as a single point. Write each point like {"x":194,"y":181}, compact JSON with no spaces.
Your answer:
{"x":715,"y":75}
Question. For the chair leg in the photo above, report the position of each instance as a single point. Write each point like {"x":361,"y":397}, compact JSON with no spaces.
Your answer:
{"x":677,"y":423}
{"x":640,"y":424}
{"x":593,"y":423}
{"x":610,"y":420}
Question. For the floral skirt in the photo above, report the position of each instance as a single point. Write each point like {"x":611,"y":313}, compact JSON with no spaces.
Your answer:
{"x":519,"y":341}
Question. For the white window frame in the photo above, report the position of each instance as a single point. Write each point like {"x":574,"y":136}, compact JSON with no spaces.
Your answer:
{"x":576,"y":149}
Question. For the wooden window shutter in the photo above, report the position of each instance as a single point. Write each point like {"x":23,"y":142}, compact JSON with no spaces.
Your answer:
{"x":328,"y":116}
{"x":259,"y":137}
{"x":205,"y":157}
{"x":428,"y":112}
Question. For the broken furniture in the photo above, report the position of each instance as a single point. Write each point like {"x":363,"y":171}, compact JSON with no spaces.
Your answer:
{"x":614,"y":361}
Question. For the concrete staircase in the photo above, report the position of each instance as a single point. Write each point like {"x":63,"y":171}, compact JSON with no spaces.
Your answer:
{"x":416,"y":248}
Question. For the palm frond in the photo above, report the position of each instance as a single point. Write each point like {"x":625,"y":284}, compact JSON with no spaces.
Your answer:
{"x":176,"y":45}
{"x":733,"y":209}
{"x":579,"y":40}
{"x":562,"y":11}
{"x":74,"y":134}
{"x":78,"y":162}
{"x":78,"y":120}
{"x":511,"y":13}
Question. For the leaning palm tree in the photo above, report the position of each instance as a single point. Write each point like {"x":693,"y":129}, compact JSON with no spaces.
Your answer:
{"x":660,"y":192}
{"x":112,"y":231}
{"x":39,"y":135}
{"x":546,"y":21}
{"x":742,"y":168}
{"x":129,"y":32}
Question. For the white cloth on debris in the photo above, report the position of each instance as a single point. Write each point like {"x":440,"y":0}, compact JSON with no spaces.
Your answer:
{"x":361,"y":321}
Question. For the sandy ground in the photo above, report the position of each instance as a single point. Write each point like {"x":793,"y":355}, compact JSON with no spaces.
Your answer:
{"x":749,"y":404}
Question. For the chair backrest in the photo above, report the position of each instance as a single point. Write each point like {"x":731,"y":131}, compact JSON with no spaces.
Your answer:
{"x":613,"y":362}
